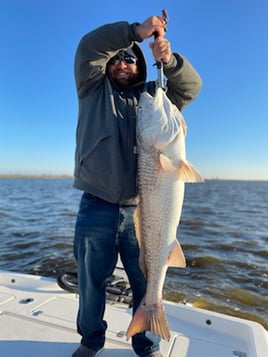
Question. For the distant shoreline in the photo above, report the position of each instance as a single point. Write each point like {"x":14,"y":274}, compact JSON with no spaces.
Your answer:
{"x":66,"y":176}
{"x":32,"y":176}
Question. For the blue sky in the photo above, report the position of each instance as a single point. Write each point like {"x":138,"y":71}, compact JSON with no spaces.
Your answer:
{"x":226,"y":41}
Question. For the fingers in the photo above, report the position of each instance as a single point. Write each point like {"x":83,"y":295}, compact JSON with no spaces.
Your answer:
{"x":160,"y":25}
{"x":161,"y":49}
{"x":154,"y":25}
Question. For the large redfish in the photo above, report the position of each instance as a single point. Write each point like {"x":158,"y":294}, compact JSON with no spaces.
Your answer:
{"x":162,"y":172}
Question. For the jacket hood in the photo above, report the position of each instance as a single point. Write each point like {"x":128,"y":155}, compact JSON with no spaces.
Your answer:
{"x":141,"y":63}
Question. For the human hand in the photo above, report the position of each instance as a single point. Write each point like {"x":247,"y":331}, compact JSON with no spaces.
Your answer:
{"x":161,"y":49}
{"x":153,"y":26}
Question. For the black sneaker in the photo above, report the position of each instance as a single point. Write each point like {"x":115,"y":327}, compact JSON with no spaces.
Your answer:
{"x":83,"y":351}
{"x":155,"y":354}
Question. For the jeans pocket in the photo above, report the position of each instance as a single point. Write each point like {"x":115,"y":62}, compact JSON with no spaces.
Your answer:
{"x":87,"y":200}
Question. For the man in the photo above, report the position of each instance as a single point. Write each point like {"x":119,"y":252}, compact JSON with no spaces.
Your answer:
{"x":110,"y":74}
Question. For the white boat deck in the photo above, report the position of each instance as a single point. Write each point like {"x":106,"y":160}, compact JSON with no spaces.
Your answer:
{"x":37,"y":319}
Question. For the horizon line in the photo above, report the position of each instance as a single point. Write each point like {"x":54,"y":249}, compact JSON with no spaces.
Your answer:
{"x":69,"y":176}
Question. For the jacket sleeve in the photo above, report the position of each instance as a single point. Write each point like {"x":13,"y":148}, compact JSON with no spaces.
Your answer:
{"x":183,"y":82}
{"x":96,"y":48}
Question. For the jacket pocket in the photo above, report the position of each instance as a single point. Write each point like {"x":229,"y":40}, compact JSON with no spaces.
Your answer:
{"x":102,"y":167}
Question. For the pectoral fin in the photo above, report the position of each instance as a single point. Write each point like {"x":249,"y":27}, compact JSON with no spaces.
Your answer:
{"x":167,"y":164}
{"x":188,"y":173}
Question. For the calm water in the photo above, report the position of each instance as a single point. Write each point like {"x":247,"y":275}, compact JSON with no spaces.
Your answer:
{"x":223,"y":231}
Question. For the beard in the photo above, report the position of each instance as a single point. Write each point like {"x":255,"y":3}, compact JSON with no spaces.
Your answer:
{"x":123,"y":79}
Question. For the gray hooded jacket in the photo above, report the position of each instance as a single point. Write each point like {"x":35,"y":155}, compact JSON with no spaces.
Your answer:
{"x":105,"y":156}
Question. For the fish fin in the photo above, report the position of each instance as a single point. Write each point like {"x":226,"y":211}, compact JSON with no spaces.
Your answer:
{"x":166,"y":164}
{"x":137,"y":220}
{"x":142,"y":263}
{"x":184,"y":125}
{"x":149,"y":318}
{"x":176,"y":257}
{"x":188,"y":173}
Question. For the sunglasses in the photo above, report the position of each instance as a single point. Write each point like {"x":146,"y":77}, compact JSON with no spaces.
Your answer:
{"x":128,"y":59}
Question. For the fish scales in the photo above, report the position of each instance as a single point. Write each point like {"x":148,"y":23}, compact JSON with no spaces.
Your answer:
{"x":162,"y":171}
{"x":158,"y":197}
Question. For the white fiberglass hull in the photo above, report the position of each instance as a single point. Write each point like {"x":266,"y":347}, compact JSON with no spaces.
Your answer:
{"x":38,"y":318}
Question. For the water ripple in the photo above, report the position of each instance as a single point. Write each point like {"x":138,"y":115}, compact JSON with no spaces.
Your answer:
{"x":223,"y":232}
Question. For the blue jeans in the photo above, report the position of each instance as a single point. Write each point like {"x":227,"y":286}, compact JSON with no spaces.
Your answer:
{"x":102,"y":230}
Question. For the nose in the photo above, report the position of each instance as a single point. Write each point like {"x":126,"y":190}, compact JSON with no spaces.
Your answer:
{"x":122,"y":64}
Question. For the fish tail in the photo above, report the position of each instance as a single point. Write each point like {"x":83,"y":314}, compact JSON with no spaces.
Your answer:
{"x":149,"y":318}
